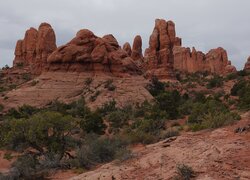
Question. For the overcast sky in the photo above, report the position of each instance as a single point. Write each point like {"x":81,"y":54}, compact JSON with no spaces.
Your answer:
{"x":204,"y":24}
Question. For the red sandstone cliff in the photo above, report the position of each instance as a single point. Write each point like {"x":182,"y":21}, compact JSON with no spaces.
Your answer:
{"x":36,"y":46}
{"x":87,"y":52}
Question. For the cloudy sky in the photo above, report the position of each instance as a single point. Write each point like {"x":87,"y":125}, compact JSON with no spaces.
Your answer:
{"x":204,"y":24}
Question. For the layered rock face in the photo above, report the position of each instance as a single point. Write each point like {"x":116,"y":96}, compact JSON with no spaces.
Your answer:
{"x":87,"y":52}
{"x":36,"y":46}
{"x":247,"y":65}
{"x":166,"y":55}
{"x":215,"y":61}
{"x":159,"y":56}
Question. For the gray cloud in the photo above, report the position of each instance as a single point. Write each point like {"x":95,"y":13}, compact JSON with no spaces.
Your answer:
{"x":205,"y":24}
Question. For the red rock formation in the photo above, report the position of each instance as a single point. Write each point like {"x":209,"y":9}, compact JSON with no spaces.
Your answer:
{"x":215,"y":61}
{"x":36,"y":45}
{"x":166,"y":55}
{"x":159,"y":55}
{"x":87,"y":52}
{"x":127,"y":48}
{"x":137,"y":49}
{"x":247,"y":65}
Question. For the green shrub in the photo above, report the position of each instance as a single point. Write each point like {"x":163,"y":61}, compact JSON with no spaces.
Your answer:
{"x":136,"y":137}
{"x":242,"y":73}
{"x":238,"y":87}
{"x":98,"y":150}
{"x":34,"y":82}
{"x":19,"y":65}
{"x":46,"y":132}
{"x":169,"y":102}
{"x":107,"y":108}
{"x":184,"y":172}
{"x":231,"y":76}
{"x":171,"y":133}
{"x":156,"y":87}
{"x":24,"y":111}
{"x":118,"y":118}
{"x":214,"y":82}
{"x":26,"y":76}
{"x":93,"y":123}
{"x":88,"y":81}
{"x":212,"y":114}
{"x":94,"y":96}
{"x":27,"y":167}
{"x":109,"y":85}
{"x":244,"y":99}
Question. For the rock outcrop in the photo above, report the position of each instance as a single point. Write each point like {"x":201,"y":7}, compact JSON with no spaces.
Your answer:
{"x":215,"y":61}
{"x":159,"y":56}
{"x":87,"y":52}
{"x":36,"y":46}
{"x":166,"y":55}
{"x":126,"y":47}
{"x":247,"y":65}
{"x":137,"y":49}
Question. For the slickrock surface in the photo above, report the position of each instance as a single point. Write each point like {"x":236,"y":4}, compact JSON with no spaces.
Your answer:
{"x":219,"y":154}
{"x":70,"y":86}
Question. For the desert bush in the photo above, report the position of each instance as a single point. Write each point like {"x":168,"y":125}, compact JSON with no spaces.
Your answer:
{"x":171,"y":133}
{"x":136,"y":137}
{"x":98,"y":150}
{"x":93,"y":123}
{"x":6,"y":67}
{"x":94,"y":96}
{"x":109,"y":85}
{"x":46,"y":132}
{"x":34,"y":82}
{"x":238,"y":87}
{"x":118,"y":118}
{"x":214,"y":82}
{"x":244,"y":99}
{"x":184,"y":172}
{"x":242,"y":73}
{"x":19,"y":65}
{"x":24,"y":111}
{"x":212,"y":114}
{"x":107,"y":108}
{"x":88,"y":81}
{"x":27,"y":167}
{"x":26,"y":77}
{"x":169,"y":102}
{"x":156,"y":87}
{"x":231,"y":76}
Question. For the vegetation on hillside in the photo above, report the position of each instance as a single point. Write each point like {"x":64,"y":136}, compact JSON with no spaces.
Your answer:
{"x":73,"y":136}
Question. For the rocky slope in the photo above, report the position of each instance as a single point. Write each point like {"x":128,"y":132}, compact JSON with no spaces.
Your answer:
{"x":218,"y":154}
{"x":70,"y":86}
